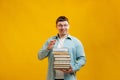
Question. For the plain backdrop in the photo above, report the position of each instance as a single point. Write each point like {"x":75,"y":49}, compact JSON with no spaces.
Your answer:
{"x":25,"y":25}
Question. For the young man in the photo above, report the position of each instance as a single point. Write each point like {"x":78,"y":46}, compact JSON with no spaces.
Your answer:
{"x":63,"y":40}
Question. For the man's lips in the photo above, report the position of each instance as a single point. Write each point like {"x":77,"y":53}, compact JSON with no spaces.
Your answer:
{"x":62,"y":30}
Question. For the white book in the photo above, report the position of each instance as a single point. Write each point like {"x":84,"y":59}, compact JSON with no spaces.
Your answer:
{"x":60,"y":53}
{"x":64,"y":55}
{"x":62,"y":62}
{"x":67,"y":67}
{"x":62,"y":59}
{"x":63,"y":65}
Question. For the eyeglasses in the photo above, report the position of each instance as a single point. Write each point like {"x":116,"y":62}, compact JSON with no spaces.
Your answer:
{"x":60,"y":25}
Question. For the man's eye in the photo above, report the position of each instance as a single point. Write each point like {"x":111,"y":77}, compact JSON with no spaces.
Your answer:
{"x":66,"y":25}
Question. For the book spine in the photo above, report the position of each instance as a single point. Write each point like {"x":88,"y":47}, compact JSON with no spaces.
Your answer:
{"x":58,"y":67}
{"x":64,"y":65}
{"x":62,"y":59}
{"x":62,"y":62}
{"x":57,"y":55}
{"x":65,"y":53}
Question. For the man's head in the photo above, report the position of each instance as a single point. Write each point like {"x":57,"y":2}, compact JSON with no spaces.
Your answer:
{"x":62,"y":25}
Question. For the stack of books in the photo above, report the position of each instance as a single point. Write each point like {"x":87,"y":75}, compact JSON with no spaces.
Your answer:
{"x":61,"y":58}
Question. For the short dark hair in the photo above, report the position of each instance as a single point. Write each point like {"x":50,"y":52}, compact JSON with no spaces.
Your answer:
{"x":61,"y":18}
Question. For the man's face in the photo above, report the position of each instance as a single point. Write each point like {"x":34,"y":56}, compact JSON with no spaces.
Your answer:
{"x":62,"y":27}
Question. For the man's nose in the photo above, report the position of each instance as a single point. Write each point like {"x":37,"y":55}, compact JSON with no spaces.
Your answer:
{"x":63,"y":26}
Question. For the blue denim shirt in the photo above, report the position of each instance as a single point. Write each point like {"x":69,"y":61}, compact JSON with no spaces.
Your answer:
{"x":76,"y":52}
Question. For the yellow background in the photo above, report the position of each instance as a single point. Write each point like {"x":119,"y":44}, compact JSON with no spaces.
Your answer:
{"x":25,"y":25}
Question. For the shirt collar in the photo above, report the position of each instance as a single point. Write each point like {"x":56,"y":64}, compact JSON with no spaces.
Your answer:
{"x":68,"y":37}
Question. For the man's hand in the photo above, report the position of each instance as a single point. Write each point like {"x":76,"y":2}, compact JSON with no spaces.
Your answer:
{"x":51,"y":44}
{"x":67,"y":70}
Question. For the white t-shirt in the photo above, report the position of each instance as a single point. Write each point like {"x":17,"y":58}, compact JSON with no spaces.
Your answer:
{"x":59,"y":74}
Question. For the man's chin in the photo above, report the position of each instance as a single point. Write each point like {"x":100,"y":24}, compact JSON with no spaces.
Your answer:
{"x":63,"y":33}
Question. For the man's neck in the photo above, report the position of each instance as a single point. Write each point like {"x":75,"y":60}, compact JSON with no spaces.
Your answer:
{"x":63,"y":35}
